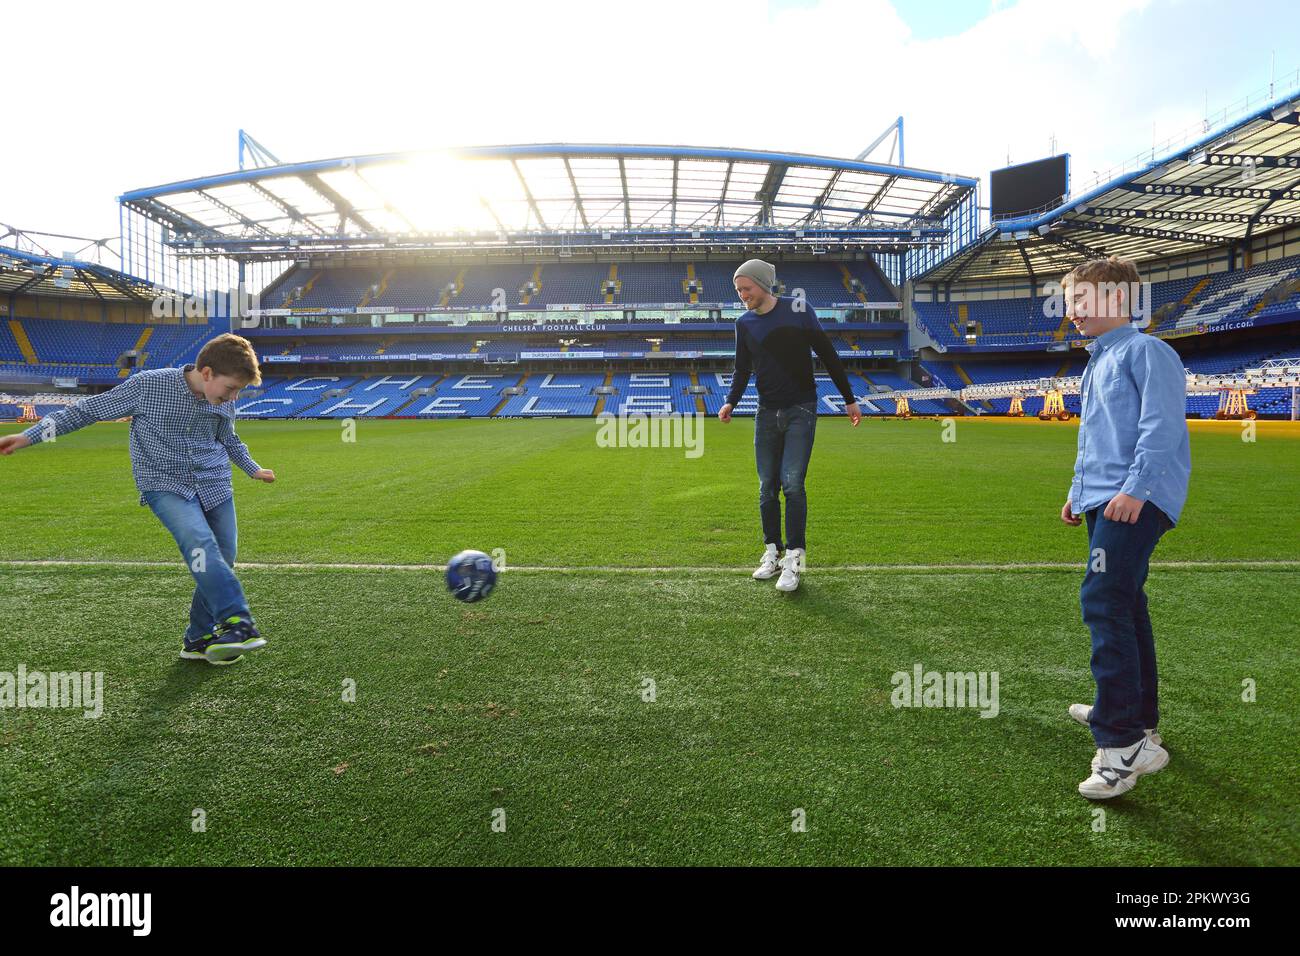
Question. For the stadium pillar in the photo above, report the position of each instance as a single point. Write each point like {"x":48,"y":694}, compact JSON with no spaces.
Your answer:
{"x":239,"y":286}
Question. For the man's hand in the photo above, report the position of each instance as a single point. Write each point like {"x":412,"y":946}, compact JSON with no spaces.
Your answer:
{"x":11,"y":443}
{"x":265,"y":474}
{"x":854,"y":413}
{"x":724,"y":413}
{"x":1124,"y":508}
{"x":1069,"y":516}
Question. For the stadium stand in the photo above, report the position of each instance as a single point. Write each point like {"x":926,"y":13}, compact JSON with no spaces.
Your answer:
{"x":461,"y":396}
{"x":1005,"y":329}
{"x":290,"y":397}
{"x":1187,"y":304}
{"x":88,"y":351}
{"x":1233,"y":295}
{"x":651,"y":393}
{"x":538,"y":285}
{"x":374,"y":397}
{"x":554,"y":394}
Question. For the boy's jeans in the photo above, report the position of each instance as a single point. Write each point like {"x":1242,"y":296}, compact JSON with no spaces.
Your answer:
{"x":208,"y":541}
{"x":1115,"y":610}
{"x":783,"y":441}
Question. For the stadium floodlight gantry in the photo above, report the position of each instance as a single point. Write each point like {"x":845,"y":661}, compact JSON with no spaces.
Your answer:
{"x":551,"y":199}
{"x":1216,"y":191}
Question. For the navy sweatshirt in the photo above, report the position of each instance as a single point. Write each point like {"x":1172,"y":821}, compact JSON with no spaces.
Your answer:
{"x":777,"y":344}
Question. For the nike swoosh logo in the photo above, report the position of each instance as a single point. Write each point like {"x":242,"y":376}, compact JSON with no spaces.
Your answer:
{"x":1128,"y":761}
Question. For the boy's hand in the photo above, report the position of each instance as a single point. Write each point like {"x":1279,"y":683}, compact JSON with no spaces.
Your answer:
{"x":854,"y":413}
{"x":1069,"y":516}
{"x":265,"y":474}
{"x":1124,"y":508}
{"x":11,"y":443}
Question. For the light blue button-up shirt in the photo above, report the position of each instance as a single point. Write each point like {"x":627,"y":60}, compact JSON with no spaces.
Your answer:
{"x":1133,"y":425}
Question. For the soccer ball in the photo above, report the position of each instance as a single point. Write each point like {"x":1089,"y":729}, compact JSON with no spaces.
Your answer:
{"x":471,"y":576}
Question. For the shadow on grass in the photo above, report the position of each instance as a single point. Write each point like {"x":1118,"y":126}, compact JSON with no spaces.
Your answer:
{"x":1195,"y":835}
{"x":181,"y":680}
{"x":158,"y":707}
{"x":103,"y":818}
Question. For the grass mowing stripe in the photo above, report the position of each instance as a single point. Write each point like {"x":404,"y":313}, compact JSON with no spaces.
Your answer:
{"x":1263,"y":563}
{"x":533,"y":702}
{"x":418,"y":492}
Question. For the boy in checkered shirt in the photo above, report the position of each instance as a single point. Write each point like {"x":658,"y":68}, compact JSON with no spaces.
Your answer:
{"x":182,"y":443}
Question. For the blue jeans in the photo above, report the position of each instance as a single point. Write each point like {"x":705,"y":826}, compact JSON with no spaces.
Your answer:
{"x":208,"y":541}
{"x":1115,"y":610}
{"x":783,"y":441}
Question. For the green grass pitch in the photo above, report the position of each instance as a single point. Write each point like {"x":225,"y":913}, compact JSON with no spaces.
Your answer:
{"x":533,"y":702}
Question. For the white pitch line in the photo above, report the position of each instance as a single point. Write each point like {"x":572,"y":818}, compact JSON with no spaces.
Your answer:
{"x":609,"y":569}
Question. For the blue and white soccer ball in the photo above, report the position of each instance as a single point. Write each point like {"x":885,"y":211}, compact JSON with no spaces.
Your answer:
{"x":471,"y":576}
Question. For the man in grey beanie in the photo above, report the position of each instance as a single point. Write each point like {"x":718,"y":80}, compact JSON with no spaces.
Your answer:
{"x":776,"y":338}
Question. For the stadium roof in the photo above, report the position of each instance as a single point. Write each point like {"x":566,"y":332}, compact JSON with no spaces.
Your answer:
{"x":28,"y":266}
{"x":543,"y":196}
{"x":1224,"y":187}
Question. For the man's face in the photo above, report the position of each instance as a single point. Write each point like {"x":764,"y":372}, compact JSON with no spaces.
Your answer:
{"x":219,"y":389}
{"x":750,"y":292}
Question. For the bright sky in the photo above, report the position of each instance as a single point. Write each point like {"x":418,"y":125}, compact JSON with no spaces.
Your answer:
{"x":107,"y":97}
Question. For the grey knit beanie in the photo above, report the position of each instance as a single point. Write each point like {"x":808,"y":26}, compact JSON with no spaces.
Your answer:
{"x":763,"y":273}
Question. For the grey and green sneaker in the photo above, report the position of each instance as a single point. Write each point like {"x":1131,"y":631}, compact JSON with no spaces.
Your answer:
{"x":192,"y":649}
{"x":230,"y":641}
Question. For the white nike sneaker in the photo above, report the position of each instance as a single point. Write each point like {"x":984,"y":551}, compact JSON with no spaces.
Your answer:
{"x":1083,"y":712}
{"x":791,"y":565}
{"x":770,"y":564}
{"x":1121,"y":766}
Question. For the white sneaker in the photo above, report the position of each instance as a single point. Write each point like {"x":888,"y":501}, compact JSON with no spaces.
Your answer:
{"x":791,"y":565}
{"x":1121,"y":766}
{"x":770,"y":565}
{"x":1083,"y":712}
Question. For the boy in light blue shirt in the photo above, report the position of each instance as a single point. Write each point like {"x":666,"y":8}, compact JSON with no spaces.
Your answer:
{"x":1130,"y":484}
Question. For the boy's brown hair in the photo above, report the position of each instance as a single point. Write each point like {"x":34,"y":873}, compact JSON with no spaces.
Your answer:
{"x":230,"y":355}
{"x":1106,"y":274}
{"x":1112,"y":269}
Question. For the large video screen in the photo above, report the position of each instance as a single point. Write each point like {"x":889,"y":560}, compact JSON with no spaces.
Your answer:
{"x":1028,"y":187}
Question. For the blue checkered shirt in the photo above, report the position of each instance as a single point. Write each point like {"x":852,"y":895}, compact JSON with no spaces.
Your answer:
{"x":179,"y":442}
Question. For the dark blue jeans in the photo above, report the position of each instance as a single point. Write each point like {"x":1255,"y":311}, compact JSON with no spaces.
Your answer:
{"x":1115,"y":610}
{"x":208,"y":541}
{"x":783,"y":441}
